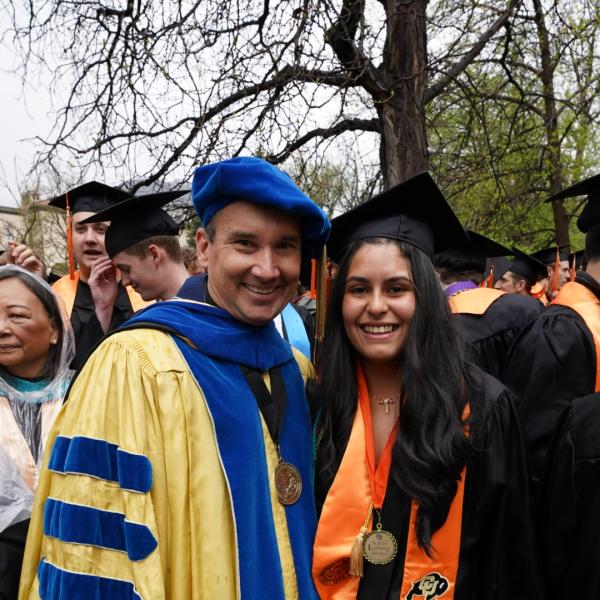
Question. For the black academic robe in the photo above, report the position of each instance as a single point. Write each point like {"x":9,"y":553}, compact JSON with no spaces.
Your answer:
{"x":498,"y":553}
{"x":490,"y":336}
{"x":552,"y":362}
{"x":86,"y":327}
{"x":569,"y":505}
{"x":12,"y":546}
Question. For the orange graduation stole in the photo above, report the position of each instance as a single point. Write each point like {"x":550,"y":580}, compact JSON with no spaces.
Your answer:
{"x":475,"y":301}
{"x":66,"y":288}
{"x":538,"y":291}
{"x":585,"y":303}
{"x":357,"y":487}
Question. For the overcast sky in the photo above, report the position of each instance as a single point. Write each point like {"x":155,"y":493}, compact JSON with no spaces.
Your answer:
{"x":21,"y":116}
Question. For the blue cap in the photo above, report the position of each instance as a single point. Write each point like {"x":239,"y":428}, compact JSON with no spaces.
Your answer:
{"x":255,"y":180}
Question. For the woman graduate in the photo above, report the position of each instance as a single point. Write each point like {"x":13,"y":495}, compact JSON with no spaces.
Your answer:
{"x":36,"y":347}
{"x":420,"y":462}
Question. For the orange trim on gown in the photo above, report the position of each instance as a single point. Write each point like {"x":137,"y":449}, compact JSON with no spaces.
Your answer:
{"x":475,"y":301}
{"x":66,"y":288}
{"x":586,"y":304}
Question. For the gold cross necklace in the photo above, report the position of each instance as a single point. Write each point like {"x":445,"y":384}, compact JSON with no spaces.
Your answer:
{"x":387,"y":402}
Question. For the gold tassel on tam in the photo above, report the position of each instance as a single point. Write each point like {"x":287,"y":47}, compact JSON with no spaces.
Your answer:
{"x":321,"y":277}
{"x":357,"y":559}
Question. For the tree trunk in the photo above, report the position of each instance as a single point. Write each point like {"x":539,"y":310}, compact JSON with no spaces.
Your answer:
{"x":403,"y":149}
{"x":553,"y":149}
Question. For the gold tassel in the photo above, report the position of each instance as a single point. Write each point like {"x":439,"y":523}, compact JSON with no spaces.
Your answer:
{"x":321,"y":296}
{"x":357,"y":560}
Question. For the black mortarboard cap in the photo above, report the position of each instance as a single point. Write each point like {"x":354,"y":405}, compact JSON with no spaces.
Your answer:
{"x":473,"y":256}
{"x":90,"y":197}
{"x":531,"y":269}
{"x":136,"y":219}
{"x":414,"y":212}
{"x":589,"y":187}
{"x":590,"y":216}
{"x":548,"y":255}
{"x":500,"y":264}
{"x":579,"y":257}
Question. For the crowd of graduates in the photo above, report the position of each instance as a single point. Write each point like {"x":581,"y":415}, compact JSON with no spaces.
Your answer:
{"x":381,"y":406}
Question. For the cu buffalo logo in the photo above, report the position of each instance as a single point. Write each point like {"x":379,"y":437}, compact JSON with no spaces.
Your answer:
{"x":336,"y":572}
{"x":429,"y":587}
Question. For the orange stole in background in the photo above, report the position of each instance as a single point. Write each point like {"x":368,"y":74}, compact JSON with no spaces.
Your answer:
{"x":66,"y":288}
{"x":475,"y":301}
{"x":585,"y":303}
{"x":346,"y":506}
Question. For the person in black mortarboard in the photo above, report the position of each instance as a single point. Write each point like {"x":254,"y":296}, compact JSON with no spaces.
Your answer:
{"x":96,"y":302}
{"x":555,"y":360}
{"x":555,"y":368}
{"x":558,"y":264}
{"x":522,"y":274}
{"x":576,"y":263}
{"x":490,"y":319}
{"x":396,"y":390}
{"x":143,"y":243}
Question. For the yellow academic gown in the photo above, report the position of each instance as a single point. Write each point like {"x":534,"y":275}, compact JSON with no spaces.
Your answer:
{"x":137,"y":392}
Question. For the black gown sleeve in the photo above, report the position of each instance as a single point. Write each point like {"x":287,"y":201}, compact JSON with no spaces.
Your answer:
{"x":12,"y":547}
{"x":499,"y":555}
{"x":490,"y":336}
{"x":552,"y":362}
{"x":569,"y":506}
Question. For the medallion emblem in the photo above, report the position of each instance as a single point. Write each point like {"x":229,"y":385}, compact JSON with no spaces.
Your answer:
{"x":288,"y":483}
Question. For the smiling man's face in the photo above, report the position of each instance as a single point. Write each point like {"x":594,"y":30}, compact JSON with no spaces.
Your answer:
{"x":253,"y":260}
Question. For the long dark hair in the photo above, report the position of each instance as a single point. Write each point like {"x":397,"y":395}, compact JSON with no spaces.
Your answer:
{"x":431,"y":448}
{"x":50,"y":304}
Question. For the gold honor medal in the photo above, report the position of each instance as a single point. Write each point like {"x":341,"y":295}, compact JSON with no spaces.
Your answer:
{"x":288,"y":483}
{"x":380,"y":546}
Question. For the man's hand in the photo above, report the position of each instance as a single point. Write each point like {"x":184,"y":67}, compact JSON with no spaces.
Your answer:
{"x":103,"y":287}
{"x":23,"y":256}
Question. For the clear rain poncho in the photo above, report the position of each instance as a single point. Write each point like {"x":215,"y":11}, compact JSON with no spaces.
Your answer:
{"x":27,"y":410}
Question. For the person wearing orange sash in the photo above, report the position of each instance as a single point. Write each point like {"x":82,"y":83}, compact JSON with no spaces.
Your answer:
{"x":521,"y":275}
{"x":420,"y":468}
{"x":568,"y":502}
{"x":558,"y":265}
{"x":95,"y":300}
{"x":36,"y":346}
{"x":489,"y":319}
{"x":556,"y":358}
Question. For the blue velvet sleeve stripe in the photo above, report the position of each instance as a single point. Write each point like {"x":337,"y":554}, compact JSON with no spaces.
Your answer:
{"x":78,"y":524}
{"x":56,"y":583}
{"x":103,"y":460}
